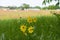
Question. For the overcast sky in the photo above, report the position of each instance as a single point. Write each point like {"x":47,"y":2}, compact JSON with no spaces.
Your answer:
{"x":20,"y":2}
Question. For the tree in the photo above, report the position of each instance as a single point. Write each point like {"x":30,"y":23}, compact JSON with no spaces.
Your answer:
{"x":25,"y":6}
{"x":48,"y":1}
{"x":53,"y":7}
{"x":38,"y":7}
{"x":22,"y":8}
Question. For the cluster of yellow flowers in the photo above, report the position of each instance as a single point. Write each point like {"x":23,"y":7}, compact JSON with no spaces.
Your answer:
{"x":23,"y":28}
{"x":30,"y":29}
{"x":30,"y":20}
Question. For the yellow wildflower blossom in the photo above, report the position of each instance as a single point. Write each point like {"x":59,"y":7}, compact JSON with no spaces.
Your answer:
{"x":23,"y":28}
{"x":30,"y":29}
{"x":29,"y":20}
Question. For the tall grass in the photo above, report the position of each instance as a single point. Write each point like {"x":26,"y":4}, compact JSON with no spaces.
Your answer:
{"x":46,"y":28}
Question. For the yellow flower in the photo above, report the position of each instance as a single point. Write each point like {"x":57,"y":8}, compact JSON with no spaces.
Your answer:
{"x":29,"y":20}
{"x":30,"y":29}
{"x":34,"y":19}
{"x":23,"y":28}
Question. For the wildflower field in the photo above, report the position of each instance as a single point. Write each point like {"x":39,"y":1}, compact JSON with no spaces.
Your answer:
{"x":31,"y":28}
{"x":29,"y":25}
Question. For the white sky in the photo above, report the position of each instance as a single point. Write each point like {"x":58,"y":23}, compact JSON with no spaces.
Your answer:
{"x":20,"y":2}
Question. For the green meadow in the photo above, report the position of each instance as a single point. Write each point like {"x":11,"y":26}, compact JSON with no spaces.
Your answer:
{"x":45,"y":28}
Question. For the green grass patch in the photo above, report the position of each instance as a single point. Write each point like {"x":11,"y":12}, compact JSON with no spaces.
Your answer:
{"x":45,"y":28}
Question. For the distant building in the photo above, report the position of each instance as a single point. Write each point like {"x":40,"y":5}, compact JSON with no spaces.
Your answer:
{"x":4,"y":9}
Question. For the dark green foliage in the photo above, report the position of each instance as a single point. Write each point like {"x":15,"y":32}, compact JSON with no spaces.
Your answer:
{"x":51,"y":7}
{"x":48,"y":1}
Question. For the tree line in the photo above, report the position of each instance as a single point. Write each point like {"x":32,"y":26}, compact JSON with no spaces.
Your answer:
{"x":27,"y":6}
{"x":22,"y":7}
